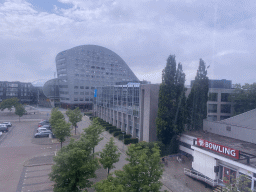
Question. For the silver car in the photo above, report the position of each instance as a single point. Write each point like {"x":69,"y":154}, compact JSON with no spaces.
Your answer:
{"x":43,"y":134}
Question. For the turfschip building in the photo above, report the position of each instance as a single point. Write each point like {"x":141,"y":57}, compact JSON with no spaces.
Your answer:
{"x":83,"y":68}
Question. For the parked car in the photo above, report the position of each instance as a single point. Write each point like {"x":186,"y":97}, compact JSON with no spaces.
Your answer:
{"x":7,"y":123}
{"x":3,"y":128}
{"x":43,"y":134}
{"x":44,"y":122}
{"x":47,"y":127}
{"x":40,"y":129}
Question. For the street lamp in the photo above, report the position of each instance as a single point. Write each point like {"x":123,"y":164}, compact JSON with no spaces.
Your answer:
{"x":123,"y":139}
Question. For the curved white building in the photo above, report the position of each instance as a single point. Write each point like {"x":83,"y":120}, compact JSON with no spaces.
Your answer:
{"x":83,"y":68}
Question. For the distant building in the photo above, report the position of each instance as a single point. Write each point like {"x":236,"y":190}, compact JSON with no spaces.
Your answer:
{"x":25,"y":92}
{"x":218,"y":106}
{"x":131,"y":106}
{"x":83,"y":68}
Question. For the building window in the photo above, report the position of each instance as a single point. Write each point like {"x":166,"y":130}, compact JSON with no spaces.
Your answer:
{"x":212,"y":108}
{"x":81,"y":93}
{"x":81,"y":87}
{"x":76,"y":93}
{"x":75,"y":87}
{"x":213,"y":97}
{"x":225,"y":97}
{"x":75,"y":99}
{"x":224,"y":117}
{"x":212,"y":117}
{"x":225,"y":108}
{"x":81,"y":99}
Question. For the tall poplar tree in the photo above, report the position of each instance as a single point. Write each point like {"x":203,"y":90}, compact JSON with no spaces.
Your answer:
{"x":170,"y":116}
{"x":197,"y":99}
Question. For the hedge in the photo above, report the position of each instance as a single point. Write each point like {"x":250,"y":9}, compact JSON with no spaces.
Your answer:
{"x":116,"y":133}
{"x":112,"y":130}
{"x":126,"y":136}
{"x":131,"y":140}
{"x":110,"y":127}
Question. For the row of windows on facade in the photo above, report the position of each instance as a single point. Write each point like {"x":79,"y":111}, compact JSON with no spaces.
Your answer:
{"x":214,"y":117}
{"x":91,"y":64}
{"x":14,"y":85}
{"x":15,"y":94}
{"x":224,"y":108}
{"x":15,"y":89}
{"x":82,"y":68}
{"x":77,"y":93}
{"x":77,"y":99}
{"x":93,"y":76}
{"x":225,"y":97}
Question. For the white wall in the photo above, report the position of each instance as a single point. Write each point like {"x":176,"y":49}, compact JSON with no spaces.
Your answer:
{"x":236,"y":132}
{"x":204,"y":164}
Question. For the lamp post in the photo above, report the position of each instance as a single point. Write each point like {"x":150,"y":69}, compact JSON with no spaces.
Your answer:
{"x":123,"y":139}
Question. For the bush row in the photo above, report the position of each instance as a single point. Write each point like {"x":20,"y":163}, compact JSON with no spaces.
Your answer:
{"x":130,"y":140}
{"x":126,"y":136}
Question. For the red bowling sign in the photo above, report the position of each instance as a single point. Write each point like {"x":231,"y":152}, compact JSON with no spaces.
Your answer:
{"x":218,"y":148}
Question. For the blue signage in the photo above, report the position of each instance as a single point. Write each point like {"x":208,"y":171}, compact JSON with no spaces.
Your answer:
{"x":95,"y":92}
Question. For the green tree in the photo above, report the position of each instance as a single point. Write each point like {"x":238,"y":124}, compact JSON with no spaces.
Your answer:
{"x":171,"y":105}
{"x":109,"y":155}
{"x":111,"y":184}
{"x":197,"y":99}
{"x":55,"y":116}
{"x":20,"y":110}
{"x":73,"y":168}
{"x":61,"y":130}
{"x":9,"y":103}
{"x":74,"y":116}
{"x":92,"y":133}
{"x":243,"y":98}
{"x":142,"y":173}
{"x":241,"y":183}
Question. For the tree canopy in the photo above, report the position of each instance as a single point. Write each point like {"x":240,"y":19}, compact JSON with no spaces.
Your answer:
{"x":9,"y":103}
{"x":20,"y":110}
{"x":243,"y":98}
{"x":197,"y":99}
{"x":74,"y":166}
{"x":171,"y":105}
{"x":61,"y":130}
{"x":74,"y":116}
{"x":55,"y":116}
{"x":92,"y":133}
{"x":142,"y":173}
{"x":109,"y":155}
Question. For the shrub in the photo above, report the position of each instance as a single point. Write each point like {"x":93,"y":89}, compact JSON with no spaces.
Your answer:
{"x":116,"y":133}
{"x":131,"y":140}
{"x":108,"y":127}
{"x":112,"y":130}
{"x":118,"y":129}
{"x":126,"y":136}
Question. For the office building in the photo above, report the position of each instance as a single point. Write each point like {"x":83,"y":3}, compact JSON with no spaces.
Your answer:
{"x":25,"y":92}
{"x":83,"y":68}
{"x":131,"y":106}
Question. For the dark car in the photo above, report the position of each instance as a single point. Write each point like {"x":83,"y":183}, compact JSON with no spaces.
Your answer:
{"x":42,"y":123}
{"x":3,"y":128}
{"x":43,"y":134}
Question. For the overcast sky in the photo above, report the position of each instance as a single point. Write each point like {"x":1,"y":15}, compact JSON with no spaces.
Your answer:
{"x":142,"y":32}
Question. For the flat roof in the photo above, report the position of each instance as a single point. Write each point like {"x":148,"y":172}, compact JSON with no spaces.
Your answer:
{"x":245,"y":148}
{"x":246,"y":119}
